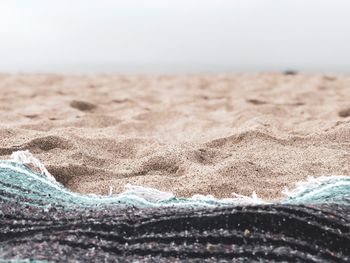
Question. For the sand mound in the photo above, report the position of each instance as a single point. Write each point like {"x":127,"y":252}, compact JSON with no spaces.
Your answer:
{"x":185,"y":134}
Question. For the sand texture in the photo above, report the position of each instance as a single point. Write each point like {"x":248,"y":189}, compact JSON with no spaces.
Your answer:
{"x":183,"y":134}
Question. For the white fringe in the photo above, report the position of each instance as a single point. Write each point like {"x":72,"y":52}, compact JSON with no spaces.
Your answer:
{"x":25,"y":157}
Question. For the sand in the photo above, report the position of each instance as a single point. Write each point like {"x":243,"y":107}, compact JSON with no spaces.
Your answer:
{"x":183,"y":134}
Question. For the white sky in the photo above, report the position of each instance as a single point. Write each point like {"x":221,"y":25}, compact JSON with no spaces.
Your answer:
{"x":174,"y":36}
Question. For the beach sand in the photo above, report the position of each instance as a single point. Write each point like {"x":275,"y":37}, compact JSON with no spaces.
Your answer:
{"x":183,"y":134}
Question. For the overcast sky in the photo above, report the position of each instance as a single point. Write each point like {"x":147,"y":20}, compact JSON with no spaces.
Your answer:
{"x":174,"y":36}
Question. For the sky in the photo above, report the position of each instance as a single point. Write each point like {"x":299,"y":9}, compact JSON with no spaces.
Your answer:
{"x":174,"y":36}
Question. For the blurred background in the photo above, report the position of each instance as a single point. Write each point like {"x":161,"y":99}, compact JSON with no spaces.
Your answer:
{"x":174,"y":36}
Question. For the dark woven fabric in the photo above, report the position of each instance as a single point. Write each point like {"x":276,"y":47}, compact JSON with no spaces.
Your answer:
{"x":290,"y":233}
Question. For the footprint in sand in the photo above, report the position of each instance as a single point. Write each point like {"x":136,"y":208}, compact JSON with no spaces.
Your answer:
{"x":82,"y":105}
{"x":344,"y":113}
